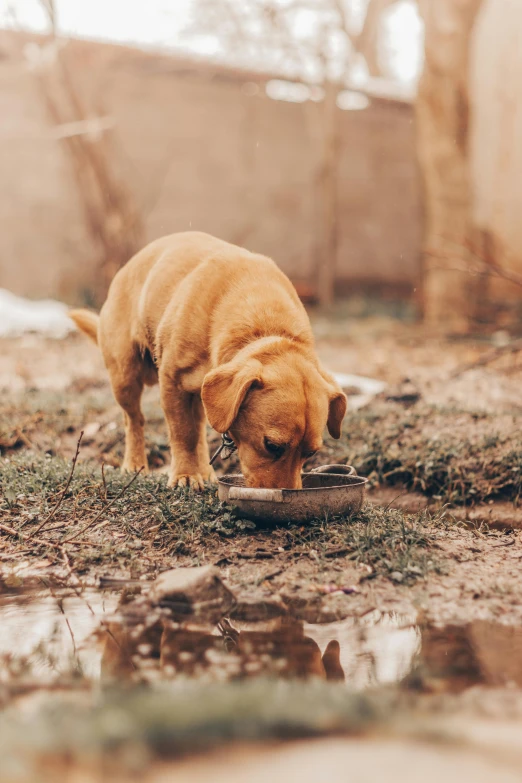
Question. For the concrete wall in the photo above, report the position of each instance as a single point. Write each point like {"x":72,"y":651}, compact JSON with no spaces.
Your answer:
{"x":496,"y":132}
{"x":206,"y":150}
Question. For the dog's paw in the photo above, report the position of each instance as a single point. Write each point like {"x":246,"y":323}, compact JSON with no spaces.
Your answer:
{"x":129,"y":467}
{"x":192,"y":481}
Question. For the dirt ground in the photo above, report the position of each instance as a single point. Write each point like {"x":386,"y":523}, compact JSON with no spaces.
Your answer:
{"x":438,"y":545}
{"x":51,"y":389}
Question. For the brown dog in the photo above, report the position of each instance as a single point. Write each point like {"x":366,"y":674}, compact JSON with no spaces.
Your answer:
{"x":226,"y":335}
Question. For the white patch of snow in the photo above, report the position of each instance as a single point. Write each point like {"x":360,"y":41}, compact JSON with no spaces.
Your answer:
{"x":19,"y":316}
{"x":361,"y":383}
{"x":359,"y":389}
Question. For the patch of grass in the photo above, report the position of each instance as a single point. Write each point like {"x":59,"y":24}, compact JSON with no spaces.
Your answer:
{"x":131,"y":727}
{"x":30,"y":487}
{"x":148,"y":525}
{"x":386,"y":539}
{"x":48,"y":411}
{"x":393,"y":542}
{"x":47,"y":421}
{"x":456,"y":456}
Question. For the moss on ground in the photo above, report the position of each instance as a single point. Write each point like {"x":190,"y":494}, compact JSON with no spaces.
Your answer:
{"x":449,"y":454}
{"x":132,"y":727}
{"x":453,"y":455}
{"x":102,"y":520}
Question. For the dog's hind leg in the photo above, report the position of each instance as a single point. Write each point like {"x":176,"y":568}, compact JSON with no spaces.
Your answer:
{"x":127,"y":385}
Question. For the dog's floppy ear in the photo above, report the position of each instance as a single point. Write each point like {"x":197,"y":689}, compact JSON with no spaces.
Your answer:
{"x":337,"y":405}
{"x":332,"y":662}
{"x":336,"y":412}
{"x":224,"y":390}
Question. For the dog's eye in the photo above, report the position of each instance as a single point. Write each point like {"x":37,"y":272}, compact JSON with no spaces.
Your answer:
{"x":309,"y":454}
{"x":274,"y":448}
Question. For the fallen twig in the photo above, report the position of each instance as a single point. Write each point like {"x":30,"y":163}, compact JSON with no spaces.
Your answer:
{"x":489,"y":357}
{"x":337,"y":552}
{"x":400,"y":495}
{"x":104,"y":509}
{"x":484,"y":266}
{"x":32,"y":686}
{"x":262,"y":555}
{"x":20,"y":434}
{"x":116,"y":581}
{"x":104,"y":482}
{"x":272,"y":575}
{"x":60,"y":499}
{"x":12,"y":532}
{"x":59,"y":603}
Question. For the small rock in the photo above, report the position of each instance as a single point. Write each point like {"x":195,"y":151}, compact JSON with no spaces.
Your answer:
{"x":193,"y":592}
{"x":500,"y":338}
{"x":350,"y":589}
{"x":90,"y":430}
{"x":396,"y":576}
{"x":256,"y":607}
{"x":406,"y":392}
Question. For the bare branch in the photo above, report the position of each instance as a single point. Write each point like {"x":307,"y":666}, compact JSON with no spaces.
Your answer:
{"x":63,"y":494}
{"x":50,"y":9}
{"x":367,"y":42}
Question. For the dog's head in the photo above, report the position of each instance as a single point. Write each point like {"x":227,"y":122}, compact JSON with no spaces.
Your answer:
{"x":275,"y":404}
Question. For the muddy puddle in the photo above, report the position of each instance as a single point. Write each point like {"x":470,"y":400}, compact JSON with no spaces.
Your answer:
{"x":95,"y":635}
{"x":48,"y":634}
{"x":88,"y":636}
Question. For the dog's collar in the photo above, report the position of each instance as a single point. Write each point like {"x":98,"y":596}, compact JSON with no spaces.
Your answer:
{"x":227,"y":446}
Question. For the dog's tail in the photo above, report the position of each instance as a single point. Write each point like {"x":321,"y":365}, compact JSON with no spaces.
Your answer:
{"x":86,"y":321}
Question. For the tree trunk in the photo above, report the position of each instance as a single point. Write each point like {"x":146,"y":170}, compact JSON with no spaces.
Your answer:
{"x":329,"y":167}
{"x":112,"y":217}
{"x":442,"y":133}
{"x":367,"y":42}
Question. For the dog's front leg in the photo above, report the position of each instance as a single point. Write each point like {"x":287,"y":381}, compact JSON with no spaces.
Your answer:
{"x":187,"y":434}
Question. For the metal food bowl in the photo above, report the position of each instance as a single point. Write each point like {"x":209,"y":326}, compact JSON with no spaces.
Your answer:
{"x":329,"y":490}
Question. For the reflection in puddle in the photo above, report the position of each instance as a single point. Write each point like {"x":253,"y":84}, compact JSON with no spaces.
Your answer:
{"x":47,"y":634}
{"x":229,"y":654}
{"x":99,"y":635}
{"x":96,"y":635}
{"x":377,"y":649}
{"x":455,"y":657}
{"x":153,"y":646}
